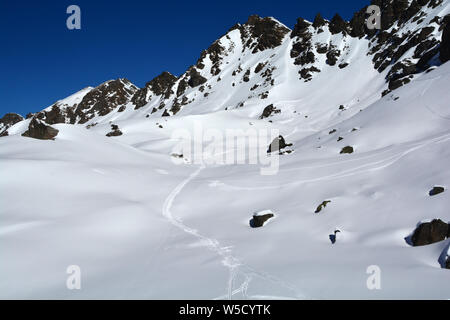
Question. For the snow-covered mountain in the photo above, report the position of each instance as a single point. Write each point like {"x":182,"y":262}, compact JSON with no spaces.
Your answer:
{"x":367,"y":115}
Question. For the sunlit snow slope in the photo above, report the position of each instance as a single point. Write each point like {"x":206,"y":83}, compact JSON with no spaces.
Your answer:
{"x":142,"y":224}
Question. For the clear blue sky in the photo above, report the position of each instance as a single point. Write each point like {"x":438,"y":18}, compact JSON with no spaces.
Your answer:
{"x":42,"y":61}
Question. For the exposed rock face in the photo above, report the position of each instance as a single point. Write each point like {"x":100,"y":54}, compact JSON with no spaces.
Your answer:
{"x":338,"y":25}
{"x":195,"y":79}
{"x":259,"y":221}
{"x":430,"y":232}
{"x":445,"y":44}
{"x":260,"y":34}
{"x":300,"y":28}
{"x":55,"y":115}
{"x":278,"y":144}
{"x":322,"y":206}
{"x":115,"y":132}
{"x":39,"y":130}
{"x":8,"y":121}
{"x":160,"y":86}
{"x":269,"y":111}
{"x":347,"y":150}
{"x":436,"y":190}
{"x":103,"y":99}
{"x":319,"y":21}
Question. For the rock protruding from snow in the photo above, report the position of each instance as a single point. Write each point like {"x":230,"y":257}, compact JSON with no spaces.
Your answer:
{"x":159,"y":86}
{"x":430,"y":232}
{"x":115,"y":131}
{"x":322,"y":206}
{"x":347,"y":150}
{"x":436,"y":190}
{"x":259,"y":34}
{"x":278,"y":144}
{"x":8,"y":121}
{"x":445,"y":43}
{"x":39,"y":130}
{"x":259,"y":219}
{"x":269,"y":111}
{"x":103,"y":99}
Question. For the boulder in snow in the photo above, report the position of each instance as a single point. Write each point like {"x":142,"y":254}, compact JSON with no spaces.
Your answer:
{"x":430,"y":232}
{"x":278,"y":144}
{"x":436,"y":190}
{"x":115,"y":131}
{"x":259,"y":219}
{"x":39,"y":130}
{"x":322,"y":206}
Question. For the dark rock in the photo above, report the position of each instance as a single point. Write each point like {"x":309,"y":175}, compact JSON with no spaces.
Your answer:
{"x":4,"y":134}
{"x":332,"y":57}
{"x":445,"y":43}
{"x":447,"y":263}
{"x":269,"y":111}
{"x":195,"y":79}
{"x":319,"y":21}
{"x":115,"y":131}
{"x":347,"y":150}
{"x":322,"y":206}
{"x":338,"y":25}
{"x":278,"y":144}
{"x":358,"y":24}
{"x":259,"y":67}
{"x":160,"y":86}
{"x":436,"y":190}
{"x":8,"y":121}
{"x":429,"y":233}
{"x":267,"y":32}
{"x":343,"y":65}
{"x":103,"y":99}
{"x":333,"y":237}
{"x":259,"y":221}
{"x":300,"y":28}
{"x":39,"y":130}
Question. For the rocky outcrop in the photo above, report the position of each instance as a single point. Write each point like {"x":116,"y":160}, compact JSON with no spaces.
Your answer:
{"x":278,"y":145}
{"x":258,"y":221}
{"x":115,"y":132}
{"x":445,"y":43}
{"x":347,"y":150}
{"x":269,"y":111}
{"x":436,"y":190}
{"x":259,"y":34}
{"x":195,"y":79}
{"x":8,"y":121}
{"x":159,"y":86}
{"x":39,"y":130}
{"x":430,"y":232}
{"x":322,"y":206}
{"x":338,"y":25}
{"x":103,"y":99}
{"x":319,"y":21}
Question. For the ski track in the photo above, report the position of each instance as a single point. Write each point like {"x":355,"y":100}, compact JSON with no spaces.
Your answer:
{"x":235,"y":266}
{"x":368,"y":167}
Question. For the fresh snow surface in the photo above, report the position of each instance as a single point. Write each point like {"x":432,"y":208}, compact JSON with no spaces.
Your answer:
{"x":140,"y":226}
{"x":143,"y":224}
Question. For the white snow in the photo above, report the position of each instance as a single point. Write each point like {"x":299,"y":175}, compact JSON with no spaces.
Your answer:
{"x":141,"y":226}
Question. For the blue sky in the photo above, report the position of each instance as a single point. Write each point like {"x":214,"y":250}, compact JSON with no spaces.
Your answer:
{"x":42,"y":61}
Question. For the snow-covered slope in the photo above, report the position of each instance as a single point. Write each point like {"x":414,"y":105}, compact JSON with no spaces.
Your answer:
{"x":143,"y":220}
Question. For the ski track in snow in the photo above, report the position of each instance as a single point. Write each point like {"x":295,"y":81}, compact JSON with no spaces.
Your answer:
{"x":235,"y":266}
{"x":367,"y":167}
